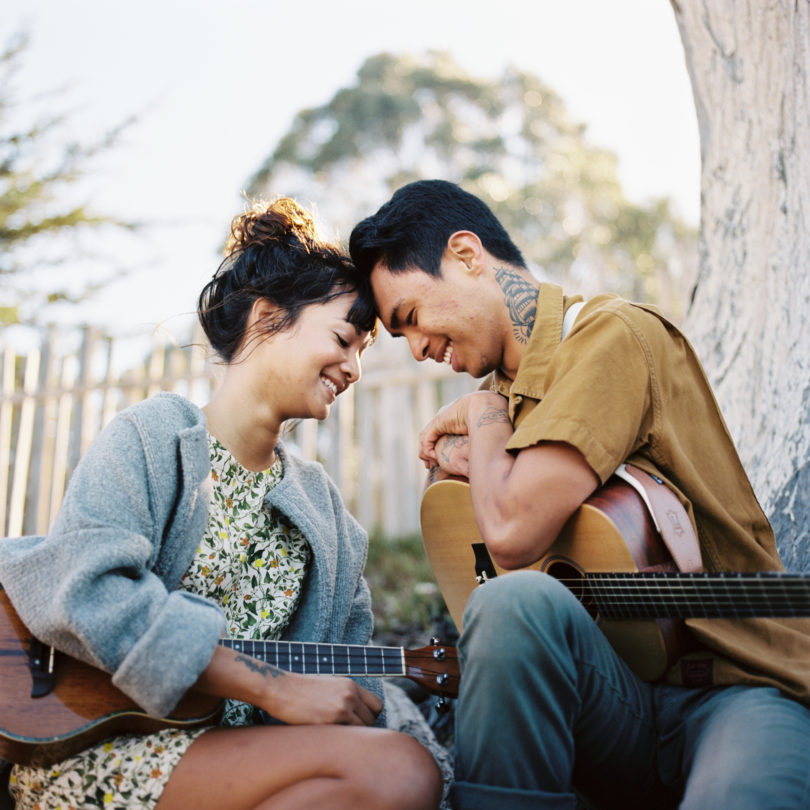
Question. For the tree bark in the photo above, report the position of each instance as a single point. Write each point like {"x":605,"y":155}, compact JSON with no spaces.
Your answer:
{"x":748,"y":63}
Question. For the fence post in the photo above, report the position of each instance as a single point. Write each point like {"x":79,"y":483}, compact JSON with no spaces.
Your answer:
{"x":22,"y":454}
{"x":6,"y":416}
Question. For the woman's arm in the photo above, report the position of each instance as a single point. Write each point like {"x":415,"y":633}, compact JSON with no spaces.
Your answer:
{"x":287,"y":696}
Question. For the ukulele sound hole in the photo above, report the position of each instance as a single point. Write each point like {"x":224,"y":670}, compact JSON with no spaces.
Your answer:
{"x":573,"y":578}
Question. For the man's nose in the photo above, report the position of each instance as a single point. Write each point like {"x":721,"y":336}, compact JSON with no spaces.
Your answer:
{"x":419,"y":347}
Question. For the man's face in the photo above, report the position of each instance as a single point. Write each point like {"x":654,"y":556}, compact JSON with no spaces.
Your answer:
{"x":448,"y":318}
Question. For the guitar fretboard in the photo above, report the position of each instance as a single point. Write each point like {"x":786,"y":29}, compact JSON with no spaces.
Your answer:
{"x":323,"y":659}
{"x":650,"y":595}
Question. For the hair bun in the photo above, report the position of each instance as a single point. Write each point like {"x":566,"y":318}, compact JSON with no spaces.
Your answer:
{"x":265,"y":223}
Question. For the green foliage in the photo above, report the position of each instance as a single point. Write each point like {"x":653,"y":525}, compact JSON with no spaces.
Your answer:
{"x":404,"y":596}
{"x":39,"y":166}
{"x":509,"y":141}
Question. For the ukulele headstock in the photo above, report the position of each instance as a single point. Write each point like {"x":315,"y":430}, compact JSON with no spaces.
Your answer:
{"x":435,"y":667}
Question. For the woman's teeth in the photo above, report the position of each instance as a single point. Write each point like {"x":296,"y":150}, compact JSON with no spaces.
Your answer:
{"x":330,"y":385}
{"x":448,"y":353}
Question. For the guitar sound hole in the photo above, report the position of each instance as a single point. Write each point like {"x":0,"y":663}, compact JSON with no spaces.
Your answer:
{"x":574,"y":579}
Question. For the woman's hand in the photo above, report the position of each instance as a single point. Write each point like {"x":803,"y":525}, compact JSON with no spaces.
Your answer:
{"x":444,"y":441}
{"x":292,"y":698}
{"x":317,"y":700}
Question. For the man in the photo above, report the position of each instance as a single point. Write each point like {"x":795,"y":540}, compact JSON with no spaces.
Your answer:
{"x":547,"y":709}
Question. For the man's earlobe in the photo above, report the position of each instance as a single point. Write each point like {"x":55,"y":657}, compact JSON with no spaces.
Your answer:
{"x":467,"y":247}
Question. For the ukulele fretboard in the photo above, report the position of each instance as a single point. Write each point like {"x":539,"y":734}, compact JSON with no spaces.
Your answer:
{"x":323,"y":659}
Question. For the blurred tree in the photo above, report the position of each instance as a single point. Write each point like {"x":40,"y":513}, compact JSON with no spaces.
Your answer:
{"x":39,"y":166}
{"x":509,"y":141}
{"x":749,"y":65}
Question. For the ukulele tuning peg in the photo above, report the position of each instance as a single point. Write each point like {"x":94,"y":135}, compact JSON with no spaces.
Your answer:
{"x":434,"y":640}
{"x":442,"y":705}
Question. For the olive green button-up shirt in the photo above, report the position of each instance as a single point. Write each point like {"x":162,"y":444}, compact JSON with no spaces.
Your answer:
{"x":626,"y":385}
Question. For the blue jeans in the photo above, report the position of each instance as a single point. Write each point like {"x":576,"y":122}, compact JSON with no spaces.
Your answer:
{"x":547,"y":711}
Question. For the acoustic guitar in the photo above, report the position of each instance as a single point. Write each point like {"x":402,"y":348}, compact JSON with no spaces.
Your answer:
{"x":610,"y":555}
{"x":52,"y":705}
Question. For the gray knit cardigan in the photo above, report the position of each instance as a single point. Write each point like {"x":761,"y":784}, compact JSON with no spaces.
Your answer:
{"x":101,"y":586}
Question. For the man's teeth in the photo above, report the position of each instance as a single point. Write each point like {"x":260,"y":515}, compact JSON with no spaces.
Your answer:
{"x":330,"y":385}
{"x":448,"y":353}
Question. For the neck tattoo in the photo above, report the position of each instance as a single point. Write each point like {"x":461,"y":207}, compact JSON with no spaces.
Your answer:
{"x":520,"y":297}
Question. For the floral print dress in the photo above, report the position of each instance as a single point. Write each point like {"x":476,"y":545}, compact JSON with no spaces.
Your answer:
{"x":250,"y":561}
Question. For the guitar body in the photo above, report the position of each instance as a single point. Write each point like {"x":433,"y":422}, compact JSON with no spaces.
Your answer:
{"x":83,"y":708}
{"x":612,"y":531}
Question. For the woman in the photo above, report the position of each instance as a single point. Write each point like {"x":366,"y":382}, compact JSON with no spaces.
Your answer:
{"x":182,"y":525}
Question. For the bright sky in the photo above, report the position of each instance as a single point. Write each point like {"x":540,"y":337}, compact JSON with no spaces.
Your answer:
{"x":218,"y":82}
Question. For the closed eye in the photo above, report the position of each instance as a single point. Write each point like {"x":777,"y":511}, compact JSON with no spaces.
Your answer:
{"x":344,"y":344}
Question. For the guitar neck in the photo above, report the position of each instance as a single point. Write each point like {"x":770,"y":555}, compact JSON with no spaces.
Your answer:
{"x":701,"y":595}
{"x":308,"y":658}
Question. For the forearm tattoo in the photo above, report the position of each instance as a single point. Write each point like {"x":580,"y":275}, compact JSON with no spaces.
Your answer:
{"x":261,"y":667}
{"x":493,"y":415}
{"x":451,"y":443}
{"x":521,"y":300}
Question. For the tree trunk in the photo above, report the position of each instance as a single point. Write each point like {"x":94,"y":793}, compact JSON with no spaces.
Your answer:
{"x":748,"y":63}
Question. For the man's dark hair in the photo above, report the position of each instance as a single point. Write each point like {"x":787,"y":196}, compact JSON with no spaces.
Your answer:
{"x":411,"y":230}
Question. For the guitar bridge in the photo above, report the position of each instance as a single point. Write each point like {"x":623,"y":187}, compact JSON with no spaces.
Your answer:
{"x":40,"y":662}
{"x":484,"y":567}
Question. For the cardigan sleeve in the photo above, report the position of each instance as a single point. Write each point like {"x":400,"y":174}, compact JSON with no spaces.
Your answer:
{"x":89,"y":589}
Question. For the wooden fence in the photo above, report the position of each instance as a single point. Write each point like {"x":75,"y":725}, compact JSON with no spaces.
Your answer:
{"x":56,"y":398}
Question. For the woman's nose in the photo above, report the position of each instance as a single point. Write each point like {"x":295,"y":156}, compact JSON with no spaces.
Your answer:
{"x":352,"y":368}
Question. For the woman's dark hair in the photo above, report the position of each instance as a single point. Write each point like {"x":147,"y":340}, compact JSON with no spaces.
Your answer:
{"x":274,"y":252}
{"x":411,"y":230}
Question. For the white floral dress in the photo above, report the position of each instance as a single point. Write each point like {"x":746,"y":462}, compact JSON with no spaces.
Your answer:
{"x":252,"y":563}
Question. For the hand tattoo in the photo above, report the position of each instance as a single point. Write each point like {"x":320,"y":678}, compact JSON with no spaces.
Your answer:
{"x":520,"y":297}
{"x":452,"y":442}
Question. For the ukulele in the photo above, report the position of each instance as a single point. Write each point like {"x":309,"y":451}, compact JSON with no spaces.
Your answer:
{"x":52,"y":705}
{"x":611,"y":556}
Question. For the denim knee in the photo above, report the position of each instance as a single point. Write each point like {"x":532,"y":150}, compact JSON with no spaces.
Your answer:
{"x":514,"y":600}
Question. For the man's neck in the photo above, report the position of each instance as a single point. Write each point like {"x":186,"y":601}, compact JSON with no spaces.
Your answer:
{"x":520,"y":298}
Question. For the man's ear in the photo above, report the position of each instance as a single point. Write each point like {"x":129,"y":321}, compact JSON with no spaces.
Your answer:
{"x":467,"y":248}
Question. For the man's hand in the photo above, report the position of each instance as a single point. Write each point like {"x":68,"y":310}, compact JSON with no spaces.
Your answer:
{"x":444,"y":442}
{"x":521,"y":499}
{"x":453,"y":454}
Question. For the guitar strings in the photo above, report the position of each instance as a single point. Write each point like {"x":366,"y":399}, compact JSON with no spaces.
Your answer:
{"x":664,"y":594}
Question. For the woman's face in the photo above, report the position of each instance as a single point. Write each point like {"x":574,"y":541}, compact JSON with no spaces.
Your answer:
{"x":306,"y":367}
